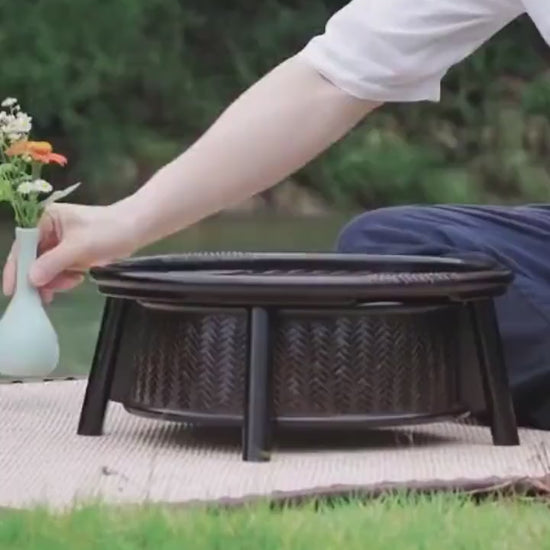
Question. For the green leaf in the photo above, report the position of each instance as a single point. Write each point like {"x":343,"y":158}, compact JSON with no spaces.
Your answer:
{"x":6,"y":169}
{"x":58,"y":195}
{"x":5,"y":189}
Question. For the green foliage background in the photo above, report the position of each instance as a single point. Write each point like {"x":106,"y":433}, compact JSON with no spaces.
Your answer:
{"x":122,"y":86}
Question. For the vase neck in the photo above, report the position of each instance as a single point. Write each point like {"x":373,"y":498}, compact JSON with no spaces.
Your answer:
{"x":27,"y":245}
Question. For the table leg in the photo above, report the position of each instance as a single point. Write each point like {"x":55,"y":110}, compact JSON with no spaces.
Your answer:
{"x":102,"y":372}
{"x":498,"y":397}
{"x":257,"y":425}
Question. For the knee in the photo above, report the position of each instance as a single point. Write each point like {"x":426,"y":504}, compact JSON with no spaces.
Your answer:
{"x":373,"y":232}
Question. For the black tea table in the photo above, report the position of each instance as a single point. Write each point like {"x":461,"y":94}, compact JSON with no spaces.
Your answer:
{"x":299,"y":340}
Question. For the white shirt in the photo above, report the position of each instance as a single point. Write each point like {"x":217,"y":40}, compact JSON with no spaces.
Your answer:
{"x":399,"y":50}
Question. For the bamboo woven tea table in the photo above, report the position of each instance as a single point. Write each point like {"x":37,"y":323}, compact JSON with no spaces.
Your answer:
{"x":266,"y":341}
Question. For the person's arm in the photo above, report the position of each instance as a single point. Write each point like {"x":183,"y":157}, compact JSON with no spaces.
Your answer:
{"x":277,"y":126}
{"x":273,"y":129}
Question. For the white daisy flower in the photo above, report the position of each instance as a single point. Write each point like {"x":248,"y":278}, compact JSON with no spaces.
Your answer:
{"x":9,"y":102}
{"x":35,"y":186}
{"x":5,"y":119}
{"x":16,"y":126}
{"x":42,"y":186}
{"x":25,"y":188}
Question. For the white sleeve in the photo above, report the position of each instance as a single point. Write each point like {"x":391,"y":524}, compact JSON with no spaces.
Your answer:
{"x":399,"y":50}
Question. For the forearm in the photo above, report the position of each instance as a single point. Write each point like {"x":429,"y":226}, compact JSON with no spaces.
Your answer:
{"x":272,"y":130}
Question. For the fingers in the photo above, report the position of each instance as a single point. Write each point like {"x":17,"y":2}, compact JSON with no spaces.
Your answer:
{"x":49,"y":236}
{"x":8,"y":276}
{"x":54,"y":263}
{"x":59,"y":283}
{"x":47,"y":295}
{"x":48,"y":239}
{"x":57,"y":266}
{"x":63,"y":282}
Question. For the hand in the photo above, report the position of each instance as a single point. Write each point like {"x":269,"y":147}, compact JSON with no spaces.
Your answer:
{"x":73,"y":238}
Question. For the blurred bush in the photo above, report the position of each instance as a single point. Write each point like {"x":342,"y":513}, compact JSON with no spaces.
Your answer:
{"x":124,"y":85}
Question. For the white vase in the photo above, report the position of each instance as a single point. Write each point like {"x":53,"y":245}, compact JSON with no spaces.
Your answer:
{"x":28,"y":341}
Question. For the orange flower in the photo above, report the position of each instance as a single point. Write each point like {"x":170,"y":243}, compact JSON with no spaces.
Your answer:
{"x":40,"y":151}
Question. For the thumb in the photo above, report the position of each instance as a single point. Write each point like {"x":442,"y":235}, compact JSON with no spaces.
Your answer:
{"x":54,"y":262}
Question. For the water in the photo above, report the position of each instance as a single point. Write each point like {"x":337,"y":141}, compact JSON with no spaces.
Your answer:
{"x":76,"y":315}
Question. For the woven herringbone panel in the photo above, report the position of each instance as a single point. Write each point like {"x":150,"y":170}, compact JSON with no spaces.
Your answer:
{"x":323,"y":364}
{"x":185,"y":361}
{"x":356,"y":364}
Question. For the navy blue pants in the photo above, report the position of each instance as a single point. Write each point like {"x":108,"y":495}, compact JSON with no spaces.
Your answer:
{"x":519,"y":238}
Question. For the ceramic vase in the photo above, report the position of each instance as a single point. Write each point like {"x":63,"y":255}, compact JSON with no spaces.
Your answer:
{"x":28,"y":341}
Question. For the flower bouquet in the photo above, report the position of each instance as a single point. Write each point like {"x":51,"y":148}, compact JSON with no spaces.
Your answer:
{"x":28,"y":341}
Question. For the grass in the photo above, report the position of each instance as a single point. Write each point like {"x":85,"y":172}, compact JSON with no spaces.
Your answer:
{"x":396,"y":523}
